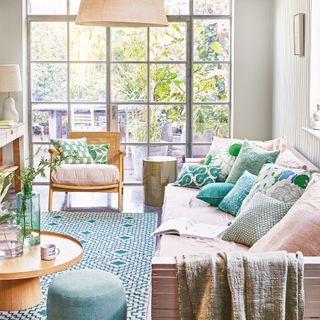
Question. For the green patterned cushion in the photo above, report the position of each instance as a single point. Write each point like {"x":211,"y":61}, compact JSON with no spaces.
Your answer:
{"x":74,"y":151}
{"x":197,"y":175}
{"x":213,"y":193}
{"x":280,"y":183}
{"x":99,"y":153}
{"x":232,"y":202}
{"x":260,"y":216}
{"x":223,"y":153}
{"x":251,"y":159}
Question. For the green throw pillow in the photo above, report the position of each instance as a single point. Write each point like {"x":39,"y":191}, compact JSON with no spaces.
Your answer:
{"x":74,"y":151}
{"x":213,"y":193}
{"x":256,"y":220}
{"x":251,"y":159}
{"x":99,"y":153}
{"x":233,"y":200}
{"x":197,"y":175}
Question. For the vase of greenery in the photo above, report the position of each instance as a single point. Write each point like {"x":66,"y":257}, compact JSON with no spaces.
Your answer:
{"x":28,"y":201}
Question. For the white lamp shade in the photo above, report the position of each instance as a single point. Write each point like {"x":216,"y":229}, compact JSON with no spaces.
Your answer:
{"x":10,"y":80}
{"x":122,"y":13}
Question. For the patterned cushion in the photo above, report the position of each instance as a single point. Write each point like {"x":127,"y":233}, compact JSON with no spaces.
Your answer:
{"x":280,"y":183}
{"x":75,"y":151}
{"x":213,"y":193}
{"x":232,"y":202}
{"x":99,"y":153}
{"x":261,"y":214}
{"x":197,"y":175}
{"x":251,"y":159}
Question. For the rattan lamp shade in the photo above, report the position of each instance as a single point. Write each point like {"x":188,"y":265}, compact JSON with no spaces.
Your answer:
{"x":122,"y":13}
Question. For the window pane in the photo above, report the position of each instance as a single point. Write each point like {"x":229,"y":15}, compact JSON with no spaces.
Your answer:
{"x":168,"y":82}
{"x":211,"y":7}
{"x":211,"y":82}
{"x":133,"y":163}
{"x":41,"y":152}
{"x":168,"y":44}
{"x":200,"y":151}
{"x":176,"y":7}
{"x":49,"y":121}
{"x":49,"y":82}
{"x":129,"y":44}
{"x":210,"y":121}
{"x":131,"y":121}
{"x":47,"y":6}
{"x":211,"y":40}
{"x":49,"y":41}
{"x":129,"y":82}
{"x":167,"y":123}
{"x":87,"y":43}
{"x":74,"y":6}
{"x":88,"y":118}
{"x":88,"y":82}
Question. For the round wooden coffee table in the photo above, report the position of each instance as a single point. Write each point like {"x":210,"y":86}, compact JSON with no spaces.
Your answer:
{"x":19,"y":277}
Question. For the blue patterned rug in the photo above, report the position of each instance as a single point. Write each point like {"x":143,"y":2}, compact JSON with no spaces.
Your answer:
{"x":113,"y":242}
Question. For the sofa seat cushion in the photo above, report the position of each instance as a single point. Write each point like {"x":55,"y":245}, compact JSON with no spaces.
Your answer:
{"x":86,"y":175}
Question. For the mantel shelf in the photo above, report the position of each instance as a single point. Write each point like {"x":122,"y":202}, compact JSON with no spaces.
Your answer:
{"x":315,"y":133}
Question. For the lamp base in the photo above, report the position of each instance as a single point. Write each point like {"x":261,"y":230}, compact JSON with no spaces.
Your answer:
{"x":9,"y":110}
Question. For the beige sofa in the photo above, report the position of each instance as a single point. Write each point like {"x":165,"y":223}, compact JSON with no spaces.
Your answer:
{"x":182,"y":202}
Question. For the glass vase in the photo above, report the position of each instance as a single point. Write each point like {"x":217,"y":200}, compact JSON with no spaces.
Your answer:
{"x":11,"y":241}
{"x":28,"y":214}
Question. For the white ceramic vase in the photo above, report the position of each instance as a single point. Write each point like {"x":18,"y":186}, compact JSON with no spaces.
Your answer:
{"x":9,"y":110}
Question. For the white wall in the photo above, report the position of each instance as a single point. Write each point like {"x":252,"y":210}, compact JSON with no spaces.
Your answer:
{"x":253,"y":63}
{"x":292,"y":80}
{"x":13,"y":50}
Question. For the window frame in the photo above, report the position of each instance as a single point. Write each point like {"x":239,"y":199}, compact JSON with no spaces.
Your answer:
{"x":189,"y":63}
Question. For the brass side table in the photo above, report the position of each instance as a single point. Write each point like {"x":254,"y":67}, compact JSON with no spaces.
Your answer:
{"x":158,"y":172}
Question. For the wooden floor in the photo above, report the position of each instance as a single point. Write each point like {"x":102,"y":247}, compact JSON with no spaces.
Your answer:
{"x":133,"y":200}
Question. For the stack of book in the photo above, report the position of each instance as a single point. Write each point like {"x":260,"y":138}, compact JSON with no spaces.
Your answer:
{"x":6,"y":124}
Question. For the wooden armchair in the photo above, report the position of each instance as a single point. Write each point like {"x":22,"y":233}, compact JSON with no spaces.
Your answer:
{"x":115,"y":157}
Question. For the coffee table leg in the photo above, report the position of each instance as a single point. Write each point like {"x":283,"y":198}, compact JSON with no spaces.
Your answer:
{"x":20,"y":294}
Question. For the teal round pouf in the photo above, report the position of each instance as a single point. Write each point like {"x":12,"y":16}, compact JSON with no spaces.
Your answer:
{"x":86,"y":295}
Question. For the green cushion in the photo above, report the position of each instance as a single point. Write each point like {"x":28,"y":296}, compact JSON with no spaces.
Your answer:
{"x":213,"y":193}
{"x":260,"y":215}
{"x":251,"y":159}
{"x":197,"y":175}
{"x":232,"y":202}
{"x":99,"y":153}
{"x":74,"y":151}
{"x":86,"y":295}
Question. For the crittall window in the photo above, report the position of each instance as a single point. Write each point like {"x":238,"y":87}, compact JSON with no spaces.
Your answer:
{"x":167,"y":90}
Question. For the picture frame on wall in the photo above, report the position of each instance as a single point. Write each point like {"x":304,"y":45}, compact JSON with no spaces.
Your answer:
{"x":299,"y":34}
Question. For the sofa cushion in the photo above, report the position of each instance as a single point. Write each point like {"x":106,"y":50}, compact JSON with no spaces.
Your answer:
{"x":256,"y":220}
{"x":299,"y":230}
{"x":233,"y":200}
{"x":86,"y":174}
{"x":214,"y":193}
{"x":251,"y":159}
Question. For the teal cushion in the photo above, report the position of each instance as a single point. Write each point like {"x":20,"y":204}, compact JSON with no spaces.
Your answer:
{"x":86,"y":295}
{"x":197,"y":175}
{"x":213,"y":193}
{"x":251,"y":159}
{"x":233,"y":201}
{"x":257,"y":219}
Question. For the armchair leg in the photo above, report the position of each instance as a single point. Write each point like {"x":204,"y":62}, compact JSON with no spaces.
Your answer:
{"x":50,"y":199}
{"x":120,"y":198}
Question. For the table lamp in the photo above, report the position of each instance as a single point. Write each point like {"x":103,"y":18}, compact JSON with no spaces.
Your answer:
{"x":10,"y":81}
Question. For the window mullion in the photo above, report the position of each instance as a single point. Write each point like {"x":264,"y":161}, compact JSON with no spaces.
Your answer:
{"x":108,"y":79}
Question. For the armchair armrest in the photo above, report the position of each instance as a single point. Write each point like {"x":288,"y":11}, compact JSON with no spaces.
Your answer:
{"x":54,"y":152}
{"x":122,"y":153}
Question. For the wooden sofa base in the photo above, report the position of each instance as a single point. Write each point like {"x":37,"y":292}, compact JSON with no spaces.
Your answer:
{"x":165,"y":290}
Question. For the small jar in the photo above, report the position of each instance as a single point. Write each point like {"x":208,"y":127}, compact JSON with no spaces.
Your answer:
{"x":11,"y":241}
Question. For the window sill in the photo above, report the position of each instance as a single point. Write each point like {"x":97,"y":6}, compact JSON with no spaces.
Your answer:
{"x":315,"y":133}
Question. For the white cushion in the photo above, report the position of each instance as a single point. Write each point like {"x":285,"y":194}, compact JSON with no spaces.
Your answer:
{"x":86,"y":174}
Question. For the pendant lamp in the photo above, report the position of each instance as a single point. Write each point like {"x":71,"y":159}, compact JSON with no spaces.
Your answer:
{"x":122,"y":13}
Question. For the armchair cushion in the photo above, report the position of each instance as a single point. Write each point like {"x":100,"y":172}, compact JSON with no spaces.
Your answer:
{"x":86,"y":175}
{"x":99,"y":152}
